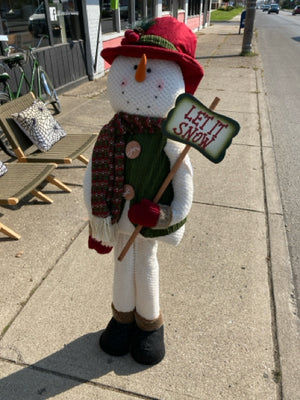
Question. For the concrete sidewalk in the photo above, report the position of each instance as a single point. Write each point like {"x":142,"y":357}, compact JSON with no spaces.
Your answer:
{"x":226,"y":290}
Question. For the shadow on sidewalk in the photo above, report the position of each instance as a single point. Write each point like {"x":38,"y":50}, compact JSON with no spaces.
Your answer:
{"x":78,"y":362}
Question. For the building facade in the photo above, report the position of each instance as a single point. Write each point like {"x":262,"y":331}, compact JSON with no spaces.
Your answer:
{"x":74,"y":32}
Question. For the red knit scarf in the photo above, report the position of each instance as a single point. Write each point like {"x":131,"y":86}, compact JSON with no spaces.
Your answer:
{"x":108,"y":161}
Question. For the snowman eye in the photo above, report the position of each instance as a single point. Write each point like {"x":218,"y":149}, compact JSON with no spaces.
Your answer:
{"x":148,"y":70}
{"x":135,"y":67}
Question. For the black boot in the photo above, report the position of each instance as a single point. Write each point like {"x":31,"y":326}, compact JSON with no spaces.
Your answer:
{"x":117,"y":337}
{"x":148,"y":345}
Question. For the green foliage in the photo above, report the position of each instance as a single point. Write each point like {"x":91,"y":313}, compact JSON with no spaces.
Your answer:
{"x":289,"y":5}
{"x":222,"y":15}
{"x":226,"y":8}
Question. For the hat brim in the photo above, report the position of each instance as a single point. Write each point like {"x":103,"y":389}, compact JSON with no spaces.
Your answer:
{"x":192,"y":71}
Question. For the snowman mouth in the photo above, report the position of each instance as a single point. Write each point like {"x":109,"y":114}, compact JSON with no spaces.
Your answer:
{"x":128,"y":102}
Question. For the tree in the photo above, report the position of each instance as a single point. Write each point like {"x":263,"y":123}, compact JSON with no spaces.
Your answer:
{"x":248,"y":30}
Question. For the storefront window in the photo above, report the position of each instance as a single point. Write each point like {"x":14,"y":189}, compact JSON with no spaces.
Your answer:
{"x":119,"y":15}
{"x":166,"y":5}
{"x":107,"y":17}
{"x":65,"y":16}
{"x":194,"y":7}
{"x":25,"y":21}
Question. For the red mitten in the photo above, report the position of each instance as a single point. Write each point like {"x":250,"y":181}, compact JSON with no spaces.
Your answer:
{"x":98,"y":246}
{"x":145,"y":213}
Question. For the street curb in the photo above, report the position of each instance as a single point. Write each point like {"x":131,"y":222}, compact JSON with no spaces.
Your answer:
{"x":286,"y":324}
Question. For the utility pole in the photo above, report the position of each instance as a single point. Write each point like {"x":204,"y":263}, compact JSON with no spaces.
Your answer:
{"x":248,"y":30}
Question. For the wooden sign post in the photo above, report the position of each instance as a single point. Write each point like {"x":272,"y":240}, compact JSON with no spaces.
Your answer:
{"x":197,"y":126}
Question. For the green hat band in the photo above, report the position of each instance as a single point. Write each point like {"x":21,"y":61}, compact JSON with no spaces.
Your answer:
{"x":158,"y":41}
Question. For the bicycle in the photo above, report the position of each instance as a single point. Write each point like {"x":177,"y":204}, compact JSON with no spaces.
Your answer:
{"x":45,"y":89}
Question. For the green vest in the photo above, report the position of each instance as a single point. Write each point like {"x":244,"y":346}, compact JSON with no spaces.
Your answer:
{"x":147,"y":172}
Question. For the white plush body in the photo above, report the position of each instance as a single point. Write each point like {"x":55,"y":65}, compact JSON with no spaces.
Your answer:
{"x":136,"y":279}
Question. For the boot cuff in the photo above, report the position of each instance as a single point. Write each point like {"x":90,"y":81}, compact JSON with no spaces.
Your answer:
{"x":122,"y":317}
{"x":148,"y":325}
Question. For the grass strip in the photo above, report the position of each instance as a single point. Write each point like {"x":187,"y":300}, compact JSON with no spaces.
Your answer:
{"x":224,"y":15}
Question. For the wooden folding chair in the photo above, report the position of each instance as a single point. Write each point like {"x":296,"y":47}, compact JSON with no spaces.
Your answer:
{"x":20,"y":180}
{"x":9,"y":232}
{"x":65,"y":151}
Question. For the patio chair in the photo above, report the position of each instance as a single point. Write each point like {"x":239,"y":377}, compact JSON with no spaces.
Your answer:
{"x":65,"y":151}
{"x":9,"y":232}
{"x":20,"y":180}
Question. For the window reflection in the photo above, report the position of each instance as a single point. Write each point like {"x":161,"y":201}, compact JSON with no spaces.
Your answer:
{"x":37,"y":23}
{"x":129,"y":12}
{"x":166,"y":5}
{"x":66,"y":13}
{"x":25,"y":21}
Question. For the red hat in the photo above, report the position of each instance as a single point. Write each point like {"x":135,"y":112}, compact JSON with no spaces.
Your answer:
{"x":164,"y":38}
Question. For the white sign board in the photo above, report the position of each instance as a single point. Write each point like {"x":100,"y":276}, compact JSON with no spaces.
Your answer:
{"x":192,"y":123}
{"x":53,"y":13}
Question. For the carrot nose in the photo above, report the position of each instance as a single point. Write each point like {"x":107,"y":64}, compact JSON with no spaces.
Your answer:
{"x":140,"y":74}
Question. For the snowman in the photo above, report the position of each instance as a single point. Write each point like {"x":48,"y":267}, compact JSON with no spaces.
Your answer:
{"x":154,"y":64}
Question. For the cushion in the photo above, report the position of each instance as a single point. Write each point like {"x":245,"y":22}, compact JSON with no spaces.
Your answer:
{"x":3,"y":168}
{"x":39,"y":125}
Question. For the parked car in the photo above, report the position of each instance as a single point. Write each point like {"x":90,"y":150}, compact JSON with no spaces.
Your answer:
{"x":265,"y":7}
{"x":274,"y":8}
{"x":296,"y":10}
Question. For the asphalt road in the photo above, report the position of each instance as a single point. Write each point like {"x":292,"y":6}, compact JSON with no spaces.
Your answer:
{"x":279,"y":46}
